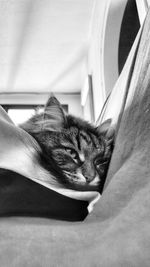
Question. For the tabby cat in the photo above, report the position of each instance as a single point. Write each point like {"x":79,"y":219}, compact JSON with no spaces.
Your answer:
{"x":74,"y":151}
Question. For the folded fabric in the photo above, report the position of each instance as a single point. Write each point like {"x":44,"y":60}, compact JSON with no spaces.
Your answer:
{"x":28,"y":182}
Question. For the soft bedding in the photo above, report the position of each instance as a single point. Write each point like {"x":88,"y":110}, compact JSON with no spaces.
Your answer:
{"x":117,"y":232}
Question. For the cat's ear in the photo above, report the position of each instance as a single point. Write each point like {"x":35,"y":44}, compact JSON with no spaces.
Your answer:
{"x":52,"y":101}
{"x":54,"y":116}
{"x":106,"y":130}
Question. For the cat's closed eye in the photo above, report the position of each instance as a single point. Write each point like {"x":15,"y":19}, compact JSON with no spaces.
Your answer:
{"x":100,"y":162}
{"x":73,"y":153}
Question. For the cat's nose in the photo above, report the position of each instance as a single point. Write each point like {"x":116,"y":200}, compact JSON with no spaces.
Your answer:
{"x":89,"y":178}
{"x":88,"y":172}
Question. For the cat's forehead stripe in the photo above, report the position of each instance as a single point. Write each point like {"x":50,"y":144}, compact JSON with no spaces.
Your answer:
{"x":74,"y":136}
{"x":85,"y":137}
{"x":86,"y":141}
{"x":90,"y":139}
{"x":80,"y":139}
{"x":96,"y":141}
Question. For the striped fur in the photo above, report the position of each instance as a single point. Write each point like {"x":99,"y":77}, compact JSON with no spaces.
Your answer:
{"x":73,"y":150}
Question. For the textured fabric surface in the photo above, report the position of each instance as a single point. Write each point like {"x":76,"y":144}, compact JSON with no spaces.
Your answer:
{"x":20,"y":196}
{"x":117,"y":233}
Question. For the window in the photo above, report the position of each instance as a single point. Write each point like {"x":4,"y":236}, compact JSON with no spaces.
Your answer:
{"x":21,"y":113}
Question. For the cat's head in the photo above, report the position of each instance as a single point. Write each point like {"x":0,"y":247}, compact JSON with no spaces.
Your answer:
{"x":79,"y":151}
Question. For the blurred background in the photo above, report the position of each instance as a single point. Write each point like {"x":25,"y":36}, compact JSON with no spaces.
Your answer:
{"x":73,"y":48}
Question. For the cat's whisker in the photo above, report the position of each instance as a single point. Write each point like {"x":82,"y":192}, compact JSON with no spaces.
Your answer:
{"x":70,"y":174}
{"x":79,"y":176}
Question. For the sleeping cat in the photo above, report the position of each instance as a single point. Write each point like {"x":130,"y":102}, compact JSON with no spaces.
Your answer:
{"x":74,"y":151}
